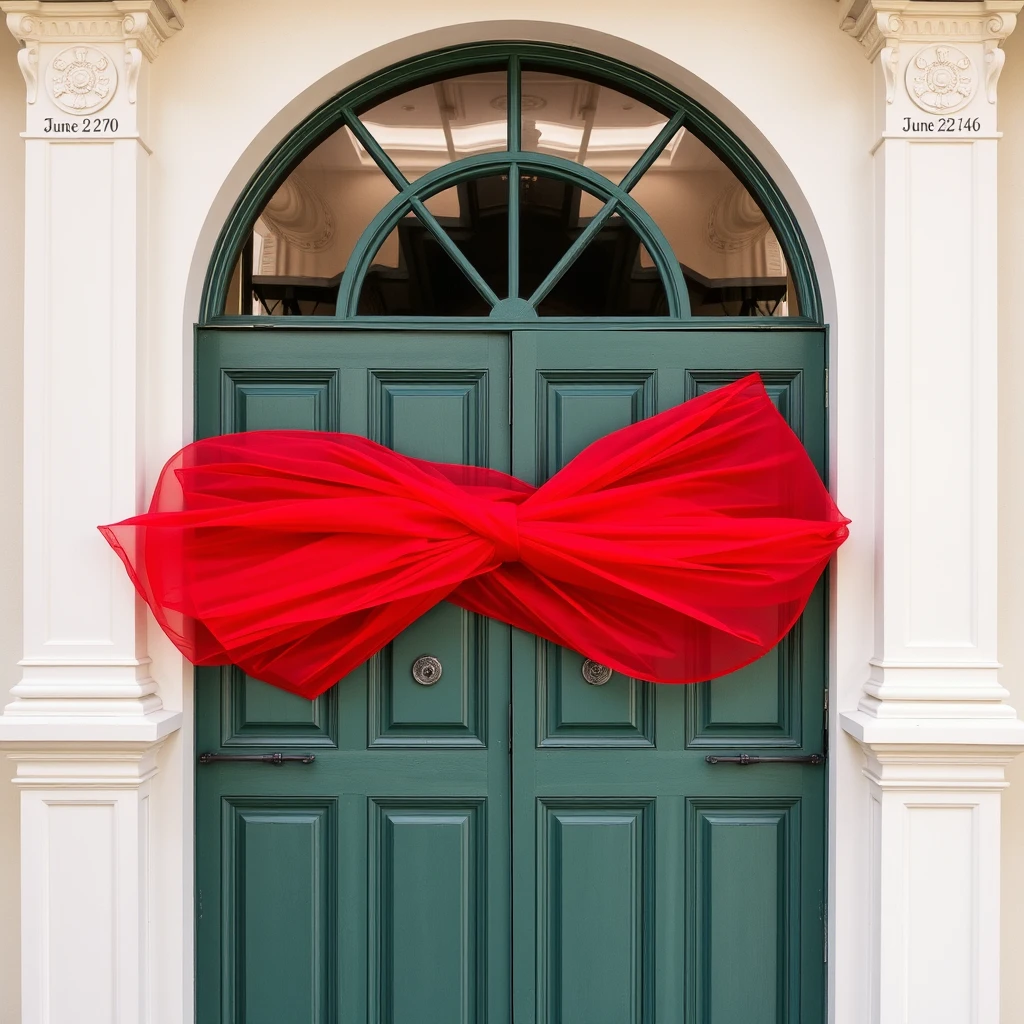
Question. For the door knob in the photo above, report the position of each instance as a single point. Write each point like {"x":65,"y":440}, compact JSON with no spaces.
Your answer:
{"x":426,"y":670}
{"x":595,"y":673}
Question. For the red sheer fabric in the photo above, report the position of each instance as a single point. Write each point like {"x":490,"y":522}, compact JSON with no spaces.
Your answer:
{"x":675,"y":550}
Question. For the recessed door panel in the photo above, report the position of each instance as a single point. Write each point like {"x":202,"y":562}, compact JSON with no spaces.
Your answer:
{"x":279,"y":921}
{"x":262,"y":398}
{"x":428,"y":915}
{"x":448,"y":712}
{"x":576,"y":407}
{"x":594,"y":873}
{"x":574,"y":713}
{"x":440,"y":415}
{"x":257,"y":715}
{"x":743,"y":898}
{"x":284,"y":399}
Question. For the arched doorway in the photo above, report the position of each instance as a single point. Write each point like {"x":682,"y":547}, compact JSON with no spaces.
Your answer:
{"x":495,"y":255}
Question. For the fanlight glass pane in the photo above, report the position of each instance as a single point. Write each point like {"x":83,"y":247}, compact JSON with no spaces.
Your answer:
{"x":474,"y":214}
{"x":586,"y":123}
{"x":732,"y":262}
{"x":412,"y":275}
{"x":293,"y":261}
{"x":608,"y":278}
{"x":552,"y":216}
{"x":436,"y":124}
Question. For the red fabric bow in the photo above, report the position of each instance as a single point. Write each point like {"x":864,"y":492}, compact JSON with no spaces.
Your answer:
{"x":675,"y":550}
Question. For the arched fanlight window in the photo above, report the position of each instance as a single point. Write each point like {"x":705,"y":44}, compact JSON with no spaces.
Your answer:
{"x":511,"y":182}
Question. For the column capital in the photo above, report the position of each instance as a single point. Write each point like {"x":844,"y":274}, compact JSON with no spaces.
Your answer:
{"x":82,"y":61}
{"x":940,"y":62}
{"x":142,"y":24}
{"x":876,"y":24}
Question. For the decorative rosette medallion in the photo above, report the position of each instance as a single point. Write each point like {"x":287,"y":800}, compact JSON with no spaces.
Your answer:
{"x":84,"y":80}
{"x":941,"y":79}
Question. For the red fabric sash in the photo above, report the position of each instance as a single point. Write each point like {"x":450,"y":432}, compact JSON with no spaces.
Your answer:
{"x":675,"y":550}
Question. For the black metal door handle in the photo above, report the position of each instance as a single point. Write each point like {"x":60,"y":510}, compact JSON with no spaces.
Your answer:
{"x":263,"y":758}
{"x":756,"y":759}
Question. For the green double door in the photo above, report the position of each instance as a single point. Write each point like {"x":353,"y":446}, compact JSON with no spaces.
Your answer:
{"x":507,"y":841}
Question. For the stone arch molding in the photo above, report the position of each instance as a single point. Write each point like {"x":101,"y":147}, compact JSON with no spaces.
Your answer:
{"x":727,"y":228}
{"x":253,"y":157}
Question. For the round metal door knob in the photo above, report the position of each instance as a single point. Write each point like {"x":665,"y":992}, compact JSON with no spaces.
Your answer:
{"x":426,"y":670}
{"x":595,"y":673}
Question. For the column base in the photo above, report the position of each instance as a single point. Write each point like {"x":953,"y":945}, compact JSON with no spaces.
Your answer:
{"x":931,"y":840}
{"x":93,"y":727}
{"x":997,"y":733}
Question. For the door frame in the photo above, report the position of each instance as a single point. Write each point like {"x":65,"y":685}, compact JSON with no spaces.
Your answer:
{"x":748,"y":169}
{"x":472,"y":326}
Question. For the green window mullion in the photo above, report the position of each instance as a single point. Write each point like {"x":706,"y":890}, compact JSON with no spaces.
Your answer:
{"x":653,"y":151}
{"x":372,"y":146}
{"x":446,"y":243}
{"x":513,"y":231}
{"x":513,"y":105}
{"x":569,"y":257}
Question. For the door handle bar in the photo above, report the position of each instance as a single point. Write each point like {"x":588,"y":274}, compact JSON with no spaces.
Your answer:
{"x":275,"y":759}
{"x":756,"y":759}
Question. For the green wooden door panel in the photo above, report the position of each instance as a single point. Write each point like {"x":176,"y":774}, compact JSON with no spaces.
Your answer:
{"x":254,"y":714}
{"x":415,"y":872}
{"x":274,"y":981}
{"x":744,"y":891}
{"x":730,"y":882}
{"x":594,"y":872}
{"x":397,"y":893}
{"x":451,"y":712}
{"x":428,"y":879}
{"x":574,"y":408}
{"x":279,"y":399}
{"x":577,"y":407}
{"x":620,"y":715}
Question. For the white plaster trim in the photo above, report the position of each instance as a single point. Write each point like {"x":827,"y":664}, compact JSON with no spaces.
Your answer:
{"x":879,"y":23}
{"x":929,"y":734}
{"x":145,"y":24}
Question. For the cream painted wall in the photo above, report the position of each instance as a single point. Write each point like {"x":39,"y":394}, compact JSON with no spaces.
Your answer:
{"x":786,"y":66}
{"x":243,"y":72}
{"x":1011,"y":505}
{"x":12,"y":191}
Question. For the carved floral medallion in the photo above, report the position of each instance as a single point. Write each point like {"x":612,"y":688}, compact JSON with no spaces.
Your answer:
{"x":941,"y":79}
{"x":83,"y":79}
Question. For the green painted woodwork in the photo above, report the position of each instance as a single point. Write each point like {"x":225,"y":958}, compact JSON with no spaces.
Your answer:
{"x":648,"y":884}
{"x":371,"y":885}
{"x":419,"y":873}
{"x":617,"y":200}
{"x":344,"y":109}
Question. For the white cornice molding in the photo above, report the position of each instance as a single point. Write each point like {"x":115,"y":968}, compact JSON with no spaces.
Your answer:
{"x":877,"y":23}
{"x":935,"y":57}
{"x":883,"y":24}
{"x":140,"y":25}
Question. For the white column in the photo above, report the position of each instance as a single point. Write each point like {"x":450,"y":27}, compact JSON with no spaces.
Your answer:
{"x":85,"y":877}
{"x":932,"y":719}
{"x":86,"y":722}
